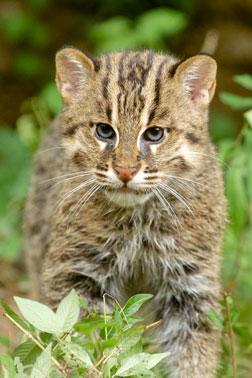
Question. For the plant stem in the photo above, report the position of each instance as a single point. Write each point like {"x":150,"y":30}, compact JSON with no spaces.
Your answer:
{"x":105,"y":317}
{"x":152,"y":325}
{"x":57,"y":364}
{"x":231,"y":337}
{"x":118,"y":304}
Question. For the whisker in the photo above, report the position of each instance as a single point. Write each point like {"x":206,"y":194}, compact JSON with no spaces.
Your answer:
{"x":68,"y":179}
{"x":51,"y":149}
{"x":166,"y":205}
{"x":70,"y":175}
{"x":213,"y":157}
{"x":184,"y":179}
{"x":87,"y":197}
{"x":71,"y":192}
{"x":177,"y":195}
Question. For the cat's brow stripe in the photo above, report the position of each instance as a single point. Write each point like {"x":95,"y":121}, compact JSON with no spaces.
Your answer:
{"x":192,"y":138}
{"x":157,"y":91}
{"x":72,"y":129}
{"x":105,"y":80}
{"x":120,"y":81}
{"x":105,"y":84}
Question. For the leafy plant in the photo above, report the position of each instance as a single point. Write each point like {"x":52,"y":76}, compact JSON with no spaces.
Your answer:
{"x":57,"y":344}
{"x":148,"y":30}
{"x":237,"y":262}
{"x":16,"y":155}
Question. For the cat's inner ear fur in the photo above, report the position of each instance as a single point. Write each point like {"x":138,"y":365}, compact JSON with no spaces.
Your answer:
{"x":73,"y":68}
{"x":197,"y":75}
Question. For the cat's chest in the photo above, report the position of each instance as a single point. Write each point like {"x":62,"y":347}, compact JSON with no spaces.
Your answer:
{"x":140,"y":251}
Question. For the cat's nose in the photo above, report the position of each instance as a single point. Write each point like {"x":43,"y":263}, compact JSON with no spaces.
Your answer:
{"x":125,"y":174}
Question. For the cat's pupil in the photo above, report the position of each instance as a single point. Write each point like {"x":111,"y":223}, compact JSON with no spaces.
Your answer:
{"x":154,"y":134}
{"x":104,"y":131}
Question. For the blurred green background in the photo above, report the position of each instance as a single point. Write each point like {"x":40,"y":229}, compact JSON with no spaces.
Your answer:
{"x":31,"y":31}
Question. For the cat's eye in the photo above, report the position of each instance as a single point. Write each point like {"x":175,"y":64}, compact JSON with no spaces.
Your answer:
{"x":104,"y":132}
{"x":153,"y":134}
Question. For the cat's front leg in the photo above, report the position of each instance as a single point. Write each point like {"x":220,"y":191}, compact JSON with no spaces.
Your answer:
{"x":59,"y":279}
{"x":192,"y":342}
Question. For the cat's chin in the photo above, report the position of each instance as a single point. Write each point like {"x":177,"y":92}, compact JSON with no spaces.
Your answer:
{"x":127,"y":199}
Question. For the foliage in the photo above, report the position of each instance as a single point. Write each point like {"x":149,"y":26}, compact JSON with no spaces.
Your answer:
{"x":148,"y":30}
{"x":16,"y":152}
{"x":237,"y":263}
{"x":57,"y":344}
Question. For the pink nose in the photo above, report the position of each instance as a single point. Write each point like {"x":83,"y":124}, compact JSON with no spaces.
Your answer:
{"x":125,"y":174}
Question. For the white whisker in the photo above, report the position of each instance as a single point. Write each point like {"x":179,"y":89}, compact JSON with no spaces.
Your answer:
{"x":213,"y":157}
{"x":87,"y":197}
{"x":70,"y":175}
{"x":176,"y":194}
{"x":167,"y":206}
{"x":71,"y":192}
{"x":51,"y":149}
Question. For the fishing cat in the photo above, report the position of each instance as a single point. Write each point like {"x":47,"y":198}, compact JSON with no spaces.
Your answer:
{"x":127,"y":196}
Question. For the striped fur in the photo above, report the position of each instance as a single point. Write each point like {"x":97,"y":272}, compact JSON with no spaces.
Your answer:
{"x":161,"y":233}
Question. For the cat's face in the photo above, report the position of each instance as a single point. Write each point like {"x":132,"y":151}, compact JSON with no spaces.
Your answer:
{"x":135,"y":121}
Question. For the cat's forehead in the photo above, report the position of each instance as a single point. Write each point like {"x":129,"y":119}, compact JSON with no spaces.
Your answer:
{"x":130,"y":83}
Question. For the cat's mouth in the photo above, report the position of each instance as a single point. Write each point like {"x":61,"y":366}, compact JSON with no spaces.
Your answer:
{"x":126,"y":189}
{"x":127,"y":197}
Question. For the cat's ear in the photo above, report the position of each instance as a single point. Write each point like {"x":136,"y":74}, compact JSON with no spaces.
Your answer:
{"x":73,"y":68}
{"x":197,"y":75}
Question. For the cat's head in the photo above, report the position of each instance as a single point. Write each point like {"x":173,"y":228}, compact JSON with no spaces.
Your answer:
{"x":135,"y":122}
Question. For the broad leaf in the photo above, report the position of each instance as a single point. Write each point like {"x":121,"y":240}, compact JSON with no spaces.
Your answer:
{"x":42,"y":366}
{"x":215,"y":318}
{"x":248,"y":117}
{"x":235,"y":101}
{"x":141,"y":360}
{"x":4,"y":341}
{"x":135,"y":302}
{"x":68,"y":311}
{"x":236,"y":193}
{"x":245,"y":80}
{"x":8,"y":363}
{"x":78,"y":352}
{"x":27,"y":352}
{"x":129,"y":338}
{"x":90,"y":324}
{"x":39,"y":315}
{"x":15,"y":316}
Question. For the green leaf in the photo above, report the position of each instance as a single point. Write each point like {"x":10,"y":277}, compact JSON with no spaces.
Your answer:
{"x":20,"y":368}
{"x":68,"y":311}
{"x":27,"y":352}
{"x":15,"y":316}
{"x":248,"y":117}
{"x":9,"y":365}
{"x":141,"y":360}
{"x":78,"y":352}
{"x":235,"y":101}
{"x":158,"y":23}
{"x":244,"y":80}
{"x":4,"y":341}
{"x":51,"y":97}
{"x":90,"y":324}
{"x":129,"y":338}
{"x":135,"y":302}
{"x":28,"y":64}
{"x":215,"y":318}
{"x":39,"y":315}
{"x":236,"y":193}
{"x":42,"y":366}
